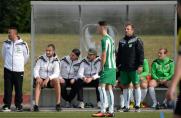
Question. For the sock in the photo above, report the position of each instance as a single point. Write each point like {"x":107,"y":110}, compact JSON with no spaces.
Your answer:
{"x":143,"y":94}
{"x":132,"y":95}
{"x":152,"y":95}
{"x":126,"y":94}
{"x":103,"y":98}
{"x":111,"y":102}
{"x":137,"y":96}
{"x":108,"y":99}
{"x":121,"y":100}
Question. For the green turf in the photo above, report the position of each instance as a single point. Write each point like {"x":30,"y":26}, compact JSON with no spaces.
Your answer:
{"x":81,"y":115}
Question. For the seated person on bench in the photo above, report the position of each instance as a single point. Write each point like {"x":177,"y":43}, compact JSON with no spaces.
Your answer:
{"x":89,"y":75}
{"x":162,"y":71}
{"x":69,"y":66}
{"x":46,"y":73}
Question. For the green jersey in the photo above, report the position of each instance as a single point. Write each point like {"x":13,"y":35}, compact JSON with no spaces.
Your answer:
{"x":108,"y":45}
{"x":162,"y":69}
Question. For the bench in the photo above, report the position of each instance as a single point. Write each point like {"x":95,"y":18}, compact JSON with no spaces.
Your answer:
{"x":47,"y":98}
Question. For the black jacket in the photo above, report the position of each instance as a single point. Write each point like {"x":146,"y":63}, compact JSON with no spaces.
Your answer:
{"x":130,"y":54}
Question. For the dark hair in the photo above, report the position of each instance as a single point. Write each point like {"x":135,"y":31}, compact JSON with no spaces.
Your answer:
{"x":129,"y":24}
{"x":102,"y":23}
{"x":76,"y":52}
{"x":165,"y":50}
{"x":51,"y":45}
{"x":13,"y":28}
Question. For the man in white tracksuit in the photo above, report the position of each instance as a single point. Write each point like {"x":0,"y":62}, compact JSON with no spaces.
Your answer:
{"x":69,"y":66}
{"x":46,"y":74}
{"x":15,"y":54}
{"x":89,"y":75}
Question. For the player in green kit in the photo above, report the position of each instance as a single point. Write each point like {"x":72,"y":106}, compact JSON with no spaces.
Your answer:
{"x":108,"y":72}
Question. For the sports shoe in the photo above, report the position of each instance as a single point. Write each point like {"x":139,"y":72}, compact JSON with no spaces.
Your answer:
{"x":99,"y":114}
{"x":35,"y":108}
{"x":110,"y":114}
{"x":154,"y":105}
{"x":126,"y":110}
{"x":6,"y":108}
{"x":19,"y":108}
{"x":164,"y":105}
{"x":137,"y":109}
{"x":120,"y":109}
{"x":157,"y":106}
{"x":81,"y":105}
{"x":58,"y":107}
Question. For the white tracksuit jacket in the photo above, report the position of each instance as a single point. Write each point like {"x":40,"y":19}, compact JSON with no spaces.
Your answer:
{"x":47,"y":68}
{"x":89,"y":68}
{"x":69,"y":68}
{"x":15,"y":54}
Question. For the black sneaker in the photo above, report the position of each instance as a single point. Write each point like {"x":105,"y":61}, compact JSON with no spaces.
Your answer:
{"x":158,"y":106}
{"x":164,"y":106}
{"x":58,"y":107}
{"x":126,"y":110}
{"x":35,"y":108}
{"x":19,"y":108}
{"x":137,"y":109}
{"x":6,"y":108}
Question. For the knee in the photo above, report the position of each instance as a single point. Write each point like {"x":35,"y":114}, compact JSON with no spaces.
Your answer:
{"x":151,"y":83}
{"x":144,"y":85}
{"x":55,"y":82}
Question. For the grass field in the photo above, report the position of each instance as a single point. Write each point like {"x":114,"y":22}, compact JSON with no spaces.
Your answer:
{"x":81,"y":115}
{"x":65,"y":43}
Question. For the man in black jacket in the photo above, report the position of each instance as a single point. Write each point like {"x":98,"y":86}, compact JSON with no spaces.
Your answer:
{"x":129,"y":62}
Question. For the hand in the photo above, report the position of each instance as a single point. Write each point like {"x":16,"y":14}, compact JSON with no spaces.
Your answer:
{"x":89,"y":79}
{"x":45,"y":82}
{"x":85,"y":79}
{"x":38,"y":80}
{"x":72,"y":81}
{"x":140,"y":69}
{"x":62,"y":81}
{"x":171,"y":95}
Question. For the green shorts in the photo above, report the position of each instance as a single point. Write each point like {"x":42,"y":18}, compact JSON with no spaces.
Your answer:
{"x":108,"y":76}
{"x":128,"y":77}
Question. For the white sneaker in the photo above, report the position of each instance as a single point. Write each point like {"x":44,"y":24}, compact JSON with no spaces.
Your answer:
{"x":154,"y":105}
{"x":81,"y":105}
{"x":5,"y":108}
{"x":99,"y":104}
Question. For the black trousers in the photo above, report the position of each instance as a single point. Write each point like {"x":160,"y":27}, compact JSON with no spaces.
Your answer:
{"x":13,"y":79}
{"x":81,"y":84}
{"x":68,"y":96}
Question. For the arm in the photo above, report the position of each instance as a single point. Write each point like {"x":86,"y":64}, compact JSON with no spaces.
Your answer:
{"x":176,"y":78}
{"x":98,"y":65}
{"x":145,"y":69}
{"x":118,"y":56}
{"x":26,"y":52}
{"x":171,"y":73}
{"x":140,"y":53}
{"x":103,"y":59}
{"x":56,"y":71}
{"x":81,"y":71}
{"x":103,"y":55}
{"x":37,"y":69}
{"x":153,"y":72}
{"x":3,"y":51}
